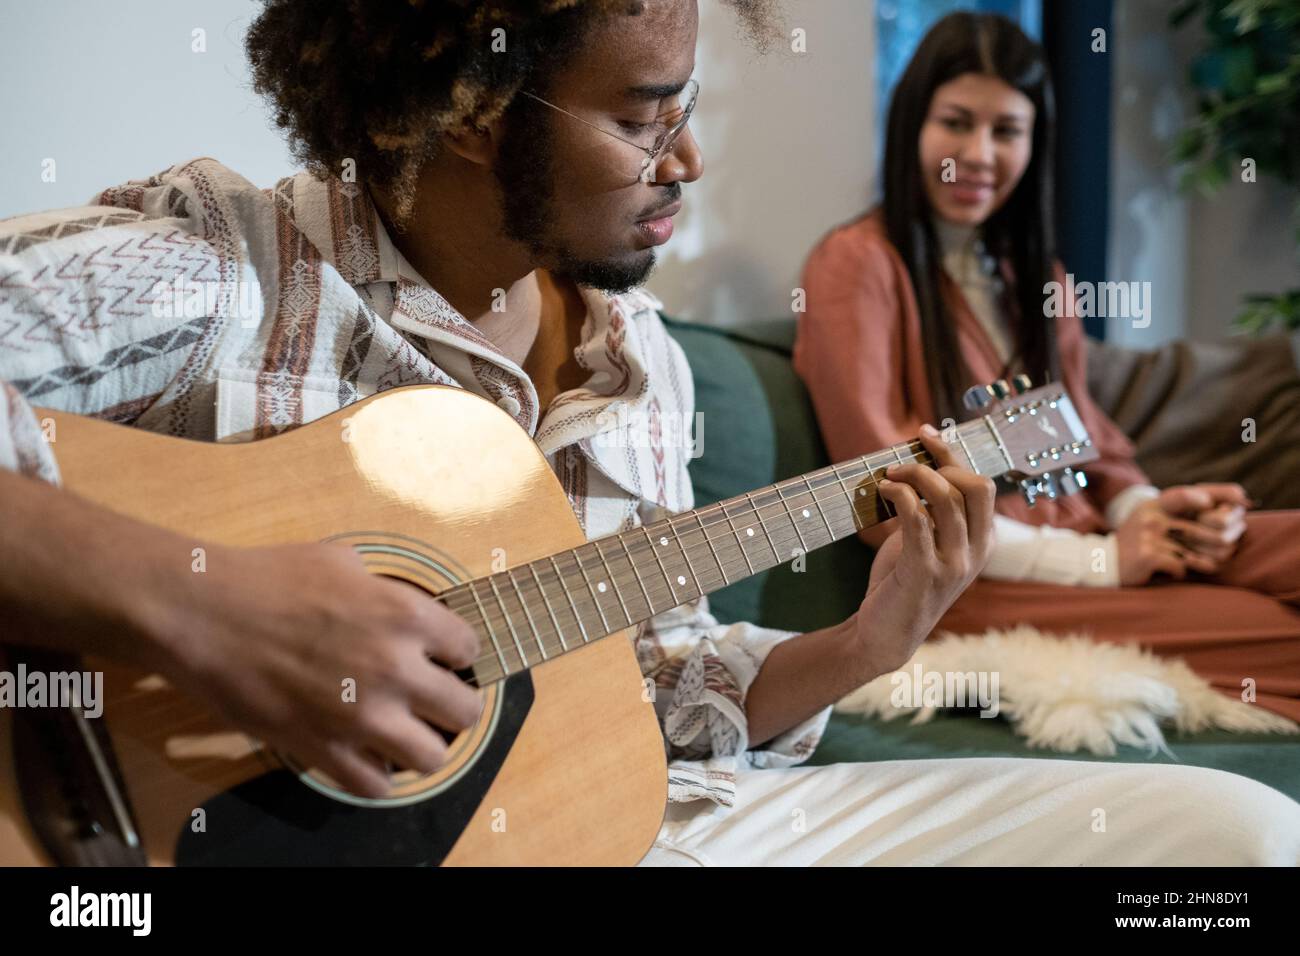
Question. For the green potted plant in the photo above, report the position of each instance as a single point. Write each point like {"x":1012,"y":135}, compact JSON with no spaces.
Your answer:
{"x":1247,"y":81}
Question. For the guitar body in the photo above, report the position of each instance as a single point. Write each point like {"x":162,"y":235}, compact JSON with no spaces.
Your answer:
{"x":430,"y":483}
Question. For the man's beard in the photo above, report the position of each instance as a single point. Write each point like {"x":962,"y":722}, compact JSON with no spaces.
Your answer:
{"x":524,"y":174}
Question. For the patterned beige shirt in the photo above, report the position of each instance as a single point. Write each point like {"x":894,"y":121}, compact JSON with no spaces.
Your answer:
{"x":195,"y":304}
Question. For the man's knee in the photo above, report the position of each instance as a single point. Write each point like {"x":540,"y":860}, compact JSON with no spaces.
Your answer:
{"x":1236,"y":821}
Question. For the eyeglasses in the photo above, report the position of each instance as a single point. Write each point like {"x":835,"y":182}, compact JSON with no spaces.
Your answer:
{"x":664,"y":139}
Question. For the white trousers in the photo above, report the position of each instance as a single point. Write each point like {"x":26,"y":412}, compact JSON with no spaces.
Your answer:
{"x":991,"y":811}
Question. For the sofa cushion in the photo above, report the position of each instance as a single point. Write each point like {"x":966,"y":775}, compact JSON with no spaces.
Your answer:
{"x":748,"y":393}
{"x":1269,"y":758}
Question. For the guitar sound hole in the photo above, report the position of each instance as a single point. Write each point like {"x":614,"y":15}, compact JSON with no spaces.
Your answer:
{"x":448,"y":737}
{"x":401,"y":776}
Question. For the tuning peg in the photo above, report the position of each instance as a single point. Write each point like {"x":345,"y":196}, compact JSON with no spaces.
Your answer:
{"x":1030,"y":490}
{"x":976,"y":397}
{"x":1047,"y":486}
{"x":1023,"y":383}
{"x":1000,"y":389}
{"x":1072,"y":482}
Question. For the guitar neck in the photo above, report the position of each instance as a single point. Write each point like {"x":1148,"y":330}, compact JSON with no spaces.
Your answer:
{"x":534,"y":612}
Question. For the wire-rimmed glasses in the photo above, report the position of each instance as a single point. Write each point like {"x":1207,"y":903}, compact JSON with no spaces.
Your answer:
{"x":664,"y":139}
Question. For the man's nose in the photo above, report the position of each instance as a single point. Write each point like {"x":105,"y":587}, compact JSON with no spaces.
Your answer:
{"x":683,"y":163}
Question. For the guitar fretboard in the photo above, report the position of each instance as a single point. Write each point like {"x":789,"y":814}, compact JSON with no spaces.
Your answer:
{"x":534,"y":612}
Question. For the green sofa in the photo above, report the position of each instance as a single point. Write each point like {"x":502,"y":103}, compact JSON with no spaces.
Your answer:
{"x":759,"y":427}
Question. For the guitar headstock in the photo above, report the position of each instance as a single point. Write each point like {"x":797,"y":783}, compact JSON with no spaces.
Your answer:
{"x":1041,"y":434}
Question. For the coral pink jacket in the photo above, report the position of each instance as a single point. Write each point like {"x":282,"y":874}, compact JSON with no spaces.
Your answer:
{"x":858,"y":349}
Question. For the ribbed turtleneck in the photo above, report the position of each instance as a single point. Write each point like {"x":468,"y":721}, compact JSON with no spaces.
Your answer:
{"x":963,"y":258}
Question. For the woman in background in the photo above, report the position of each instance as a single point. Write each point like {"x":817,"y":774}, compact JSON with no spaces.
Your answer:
{"x":942,"y":287}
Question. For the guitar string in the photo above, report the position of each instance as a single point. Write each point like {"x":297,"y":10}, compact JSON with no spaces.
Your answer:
{"x":500,"y":617}
{"x":828,"y":478}
{"x":460,"y":593}
{"x":157,"y":714}
{"x":832,"y":476}
{"x":778,"y":538}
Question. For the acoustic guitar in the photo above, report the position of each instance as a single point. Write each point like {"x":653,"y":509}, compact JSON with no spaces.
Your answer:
{"x":567,"y":763}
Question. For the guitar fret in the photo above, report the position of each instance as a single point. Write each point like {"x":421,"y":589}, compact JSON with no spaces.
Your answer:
{"x":482,"y":613}
{"x":618,"y":593}
{"x":714,"y":551}
{"x":976,"y":441}
{"x":889,"y":508}
{"x":803,"y":545}
{"x":848,"y":496}
{"x":969,"y":457}
{"x":744,"y":553}
{"x":763,"y":524}
{"x":514,"y":635}
{"x":682,"y":548}
{"x":672,"y":595}
{"x":555,"y":622}
{"x":569,"y":597}
{"x":650,"y":607}
{"x":577,"y":558}
{"x":528,"y":615}
{"x":821,"y":511}
{"x":843,"y":487}
{"x":1011,"y":465}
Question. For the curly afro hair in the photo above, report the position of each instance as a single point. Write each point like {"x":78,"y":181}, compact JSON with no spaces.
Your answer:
{"x":379,"y":82}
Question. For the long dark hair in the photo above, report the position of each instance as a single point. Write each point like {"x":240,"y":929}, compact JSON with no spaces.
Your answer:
{"x":1021,"y":232}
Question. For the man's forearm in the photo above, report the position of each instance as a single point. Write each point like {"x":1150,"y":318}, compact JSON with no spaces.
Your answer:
{"x":803,"y":675}
{"x":75,"y":576}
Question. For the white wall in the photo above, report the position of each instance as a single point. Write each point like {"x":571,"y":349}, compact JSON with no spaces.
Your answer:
{"x":789,"y":151}
{"x":1201,"y":256}
{"x":112,"y":91}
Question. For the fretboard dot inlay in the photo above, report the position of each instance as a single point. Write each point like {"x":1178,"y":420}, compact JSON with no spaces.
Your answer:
{"x":806,"y":512}
{"x":664,"y":542}
{"x":750,"y":532}
{"x":600,"y":586}
{"x":681,"y":579}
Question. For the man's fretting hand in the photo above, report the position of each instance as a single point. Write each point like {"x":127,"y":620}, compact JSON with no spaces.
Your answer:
{"x":938,"y":549}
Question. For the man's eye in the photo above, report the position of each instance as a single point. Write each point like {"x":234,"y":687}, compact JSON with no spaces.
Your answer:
{"x":637,"y":127}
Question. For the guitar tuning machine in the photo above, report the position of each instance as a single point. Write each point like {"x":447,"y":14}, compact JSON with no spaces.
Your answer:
{"x":1070,"y":482}
{"x":1035,"y":488}
{"x":977,"y":397}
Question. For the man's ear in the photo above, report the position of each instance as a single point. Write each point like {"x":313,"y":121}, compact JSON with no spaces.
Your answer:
{"x":475,"y":143}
